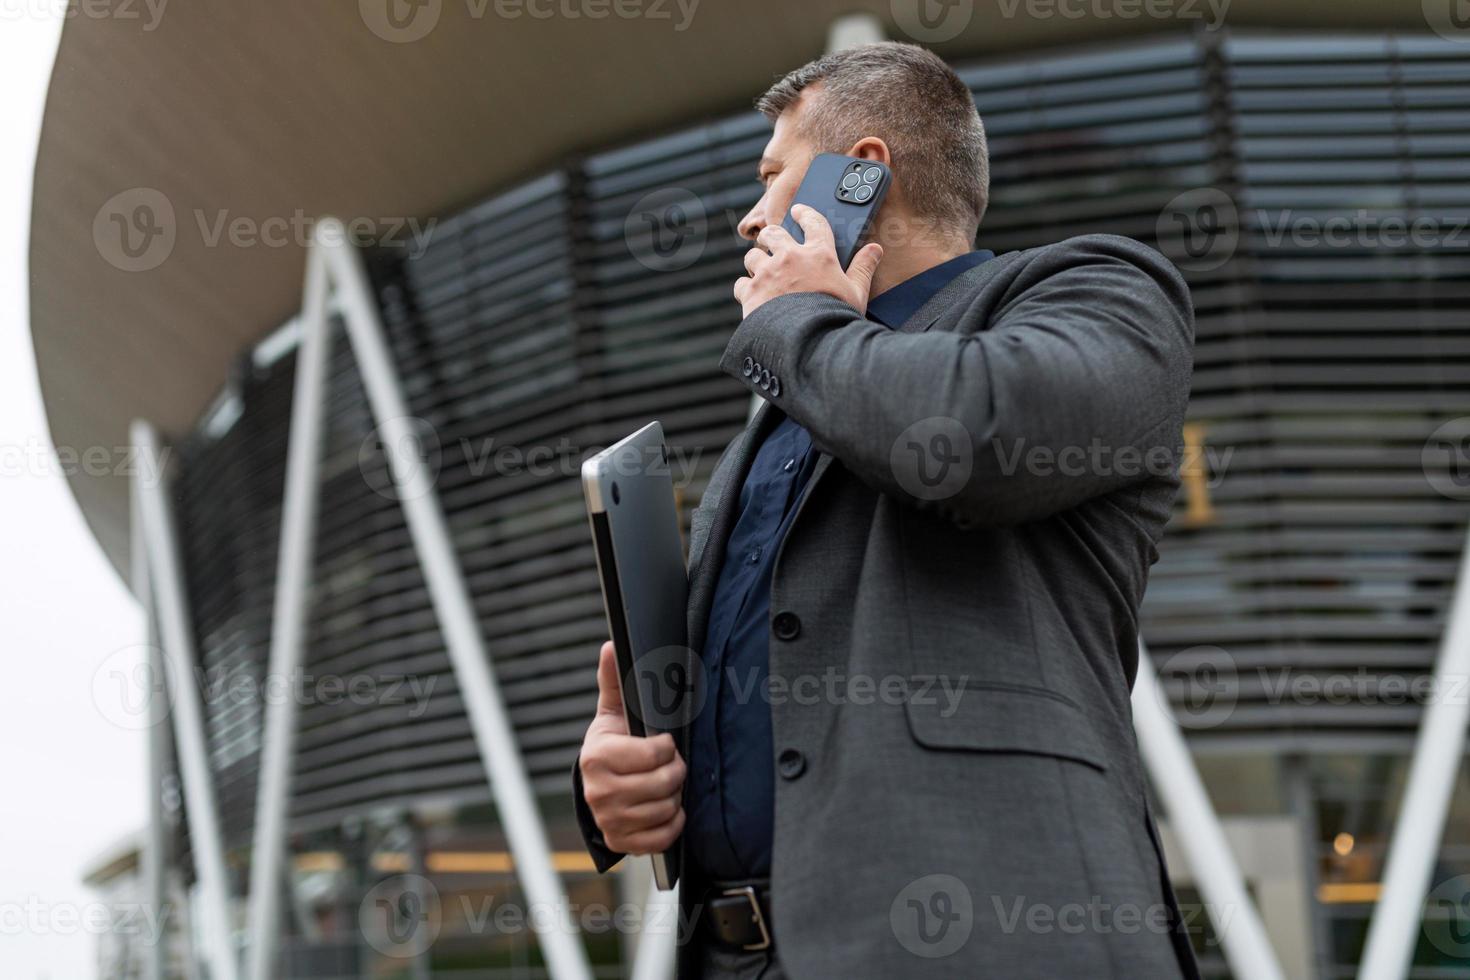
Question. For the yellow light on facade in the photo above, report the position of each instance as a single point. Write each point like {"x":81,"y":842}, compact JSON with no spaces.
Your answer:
{"x":1349,"y":892}
{"x":1343,"y":844}
{"x":1194,"y":476}
{"x":474,"y":862}
{"x":390,"y":862}
{"x":319,"y":861}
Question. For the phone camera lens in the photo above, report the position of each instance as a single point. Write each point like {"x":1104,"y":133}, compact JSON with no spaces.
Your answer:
{"x":863,"y":193}
{"x":850,"y":181}
{"x":617,"y":497}
{"x":872,"y":174}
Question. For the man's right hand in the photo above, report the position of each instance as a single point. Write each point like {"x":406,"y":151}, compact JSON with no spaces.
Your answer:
{"x":633,"y":786}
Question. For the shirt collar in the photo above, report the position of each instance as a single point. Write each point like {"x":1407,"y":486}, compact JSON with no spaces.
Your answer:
{"x":895,"y":305}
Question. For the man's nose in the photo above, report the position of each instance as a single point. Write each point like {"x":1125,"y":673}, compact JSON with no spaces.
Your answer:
{"x":752,"y":223}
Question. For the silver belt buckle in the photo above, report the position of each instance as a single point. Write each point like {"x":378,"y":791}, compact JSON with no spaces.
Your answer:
{"x":755,"y":910}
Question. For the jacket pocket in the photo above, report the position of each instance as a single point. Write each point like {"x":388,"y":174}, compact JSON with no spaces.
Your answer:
{"x":1003,"y":718}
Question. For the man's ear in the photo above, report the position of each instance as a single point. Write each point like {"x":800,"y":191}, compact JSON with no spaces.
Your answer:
{"x":872,"y":148}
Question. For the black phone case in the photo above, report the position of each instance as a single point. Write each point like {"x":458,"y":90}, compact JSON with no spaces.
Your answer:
{"x":822,"y":190}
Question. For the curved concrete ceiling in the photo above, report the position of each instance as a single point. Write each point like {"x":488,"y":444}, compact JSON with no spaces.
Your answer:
{"x":228,"y":110}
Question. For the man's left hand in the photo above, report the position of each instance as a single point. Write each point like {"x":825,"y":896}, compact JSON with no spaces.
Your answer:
{"x":778,"y":265}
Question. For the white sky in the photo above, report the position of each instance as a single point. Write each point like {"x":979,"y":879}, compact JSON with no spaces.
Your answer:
{"x":71,"y":781}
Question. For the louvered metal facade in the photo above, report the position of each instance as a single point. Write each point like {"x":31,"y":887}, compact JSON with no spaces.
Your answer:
{"x":562,"y":313}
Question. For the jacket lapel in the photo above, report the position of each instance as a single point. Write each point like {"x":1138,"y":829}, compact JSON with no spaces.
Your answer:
{"x":946,"y":299}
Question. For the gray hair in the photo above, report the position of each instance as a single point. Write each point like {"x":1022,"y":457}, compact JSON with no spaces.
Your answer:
{"x":908,"y":97}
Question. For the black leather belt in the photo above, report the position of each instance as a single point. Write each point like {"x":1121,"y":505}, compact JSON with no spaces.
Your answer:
{"x":738,"y":915}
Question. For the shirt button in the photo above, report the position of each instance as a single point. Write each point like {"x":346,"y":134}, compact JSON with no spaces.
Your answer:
{"x":755,"y":555}
{"x":791,"y":764}
{"x":786,"y":625}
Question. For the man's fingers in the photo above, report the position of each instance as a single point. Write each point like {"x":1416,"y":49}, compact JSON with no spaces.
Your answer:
{"x":814,"y":226}
{"x":754,"y":258}
{"x":630,"y":789}
{"x":607,"y":791}
{"x":631,"y":754}
{"x":609,"y":690}
{"x":649,"y":841}
{"x":742,"y":286}
{"x":864,"y":265}
{"x":772,"y":237}
{"x":643,"y":816}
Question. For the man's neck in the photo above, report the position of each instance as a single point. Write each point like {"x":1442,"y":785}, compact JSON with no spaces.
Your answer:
{"x":902,"y":264}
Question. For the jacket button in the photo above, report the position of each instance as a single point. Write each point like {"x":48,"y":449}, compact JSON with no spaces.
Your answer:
{"x":790,"y":763}
{"x":765,"y":380}
{"x":747,"y":366}
{"x":786,"y":625}
{"x":775,"y":386}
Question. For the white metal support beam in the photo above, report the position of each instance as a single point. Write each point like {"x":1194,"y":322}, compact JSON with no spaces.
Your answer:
{"x":155,"y":846}
{"x":1198,"y":829}
{"x":339,"y":266}
{"x":656,"y":956}
{"x":1438,"y":753}
{"x":288,"y":626}
{"x":167,"y":586}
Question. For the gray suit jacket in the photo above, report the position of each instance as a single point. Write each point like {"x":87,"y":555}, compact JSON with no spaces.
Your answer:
{"x":954,"y":618}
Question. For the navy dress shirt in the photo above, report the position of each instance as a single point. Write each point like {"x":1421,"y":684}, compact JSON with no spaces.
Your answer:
{"x":730,"y":793}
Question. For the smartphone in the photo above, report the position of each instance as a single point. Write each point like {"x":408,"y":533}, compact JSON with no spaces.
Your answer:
{"x":847,"y":192}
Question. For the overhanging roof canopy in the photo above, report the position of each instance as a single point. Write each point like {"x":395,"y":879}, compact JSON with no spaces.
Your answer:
{"x":277,"y":113}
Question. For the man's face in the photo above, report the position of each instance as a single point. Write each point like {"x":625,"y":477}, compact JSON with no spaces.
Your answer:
{"x":783,"y":164}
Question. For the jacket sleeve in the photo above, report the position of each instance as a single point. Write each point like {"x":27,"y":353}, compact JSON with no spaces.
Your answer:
{"x":1076,"y":387}
{"x":603,"y":858}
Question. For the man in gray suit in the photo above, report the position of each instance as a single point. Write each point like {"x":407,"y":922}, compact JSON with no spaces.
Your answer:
{"x":914,"y":583}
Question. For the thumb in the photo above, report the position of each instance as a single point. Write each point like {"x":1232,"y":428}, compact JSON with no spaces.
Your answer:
{"x":609,"y":690}
{"x":862,"y":268}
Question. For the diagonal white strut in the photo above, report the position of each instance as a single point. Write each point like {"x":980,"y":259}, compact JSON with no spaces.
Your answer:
{"x":1177,"y":781}
{"x":1438,"y":752}
{"x":166,"y":582}
{"x":288,"y":623}
{"x":335,"y":263}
